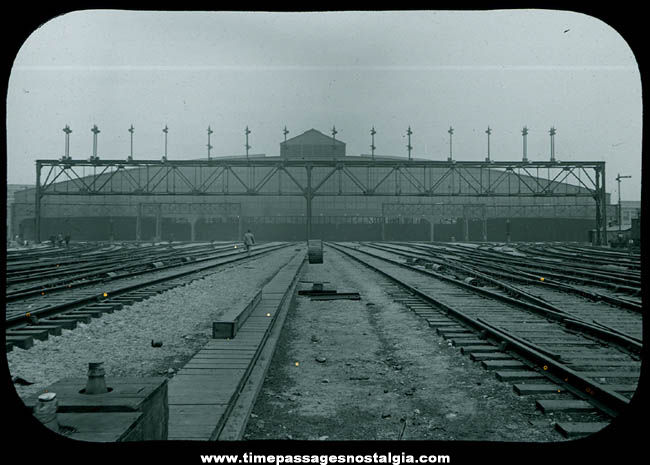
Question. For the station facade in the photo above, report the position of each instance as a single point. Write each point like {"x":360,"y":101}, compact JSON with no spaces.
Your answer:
{"x":385,"y":216}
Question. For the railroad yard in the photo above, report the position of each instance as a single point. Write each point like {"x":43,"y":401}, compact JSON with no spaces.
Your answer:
{"x":384,"y":340}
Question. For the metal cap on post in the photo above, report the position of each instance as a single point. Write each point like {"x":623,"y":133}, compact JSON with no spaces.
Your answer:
{"x":96,"y":383}
{"x":45,"y":410}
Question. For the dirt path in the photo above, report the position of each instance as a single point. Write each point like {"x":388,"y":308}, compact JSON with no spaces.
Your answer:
{"x":371,"y":369}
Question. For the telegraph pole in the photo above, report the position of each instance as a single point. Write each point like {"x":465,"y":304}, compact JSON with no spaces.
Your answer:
{"x":95,"y":130}
{"x":620,"y":211}
{"x":334,"y":133}
{"x":524,"y":134}
{"x":247,"y":132}
{"x":210,"y":131}
{"x":451,"y":133}
{"x":131,"y":130}
{"x":372,"y":145}
{"x":166,"y":130}
{"x":67,"y":131}
{"x":488,"y":131}
{"x":409,"y":147}
{"x":285,"y":132}
{"x":552,"y":133}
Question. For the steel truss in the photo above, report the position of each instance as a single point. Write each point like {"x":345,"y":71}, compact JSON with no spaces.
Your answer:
{"x":275,"y":176}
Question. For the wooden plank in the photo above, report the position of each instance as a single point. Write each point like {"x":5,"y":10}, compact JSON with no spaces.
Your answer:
{"x":54,"y":330}
{"x":518,"y":375}
{"x":576,"y":429}
{"x":36,"y":334}
{"x":546,"y":405}
{"x":462,"y":342}
{"x":502,"y":364}
{"x":479,"y":349}
{"x":81,"y":318}
{"x":24,"y":341}
{"x":63,"y":323}
{"x":489,"y":356}
{"x":527,"y":389}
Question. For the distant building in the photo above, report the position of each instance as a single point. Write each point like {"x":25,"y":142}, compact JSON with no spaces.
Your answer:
{"x":11,"y":190}
{"x":312,"y":144}
{"x":630,"y":209}
{"x":279,"y":213}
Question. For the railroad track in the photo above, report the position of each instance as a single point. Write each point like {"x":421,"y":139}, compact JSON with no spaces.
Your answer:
{"x":609,"y":276}
{"x":108,"y":269}
{"x":579,"y":257}
{"x":616,"y":291}
{"x":71,"y":264}
{"x":628,"y":323}
{"x":567,"y":365}
{"x":39,"y":317}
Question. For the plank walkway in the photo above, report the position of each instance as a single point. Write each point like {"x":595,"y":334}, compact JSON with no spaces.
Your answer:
{"x":203,"y":392}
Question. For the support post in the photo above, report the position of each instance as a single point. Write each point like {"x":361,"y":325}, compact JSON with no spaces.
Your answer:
{"x":383,"y":228}
{"x":599,"y":219}
{"x":37,"y":205}
{"x":193,"y":229}
{"x":138,"y":223}
{"x":466,"y":228}
{"x":309,"y":196}
{"x":484,"y":224}
{"x":159,"y":223}
{"x":240,"y":227}
{"x":431,"y":228}
{"x":603,"y":203}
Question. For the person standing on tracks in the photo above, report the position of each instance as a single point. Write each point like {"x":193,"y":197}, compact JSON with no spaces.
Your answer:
{"x":249,"y":240}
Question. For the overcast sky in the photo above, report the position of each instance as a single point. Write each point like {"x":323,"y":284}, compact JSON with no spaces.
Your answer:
{"x":354,"y":70}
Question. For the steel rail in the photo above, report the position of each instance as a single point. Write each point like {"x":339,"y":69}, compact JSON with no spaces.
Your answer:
{"x":606,"y":400}
{"x":533,"y":303}
{"x":17,"y":319}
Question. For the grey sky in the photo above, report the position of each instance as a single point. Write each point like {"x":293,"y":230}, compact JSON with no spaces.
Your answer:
{"x":428,"y":70}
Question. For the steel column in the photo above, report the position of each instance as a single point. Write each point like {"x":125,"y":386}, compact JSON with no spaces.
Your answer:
{"x":37,"y":203}
{"x":598,"y":199}
{"x":138,"y":223}
{"x":159,"y":223}
{"x":603,"y":203}
{"x":193,"y":229}
{"x":309,"y":196}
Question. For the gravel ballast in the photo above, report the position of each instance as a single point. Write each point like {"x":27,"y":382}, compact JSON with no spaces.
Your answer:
{"x":180,"y":318}
{"x":372,"y":369}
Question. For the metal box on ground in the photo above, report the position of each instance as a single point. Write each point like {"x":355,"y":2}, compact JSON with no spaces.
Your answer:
{"x":315,"y":251}
{"x":134,"y":409}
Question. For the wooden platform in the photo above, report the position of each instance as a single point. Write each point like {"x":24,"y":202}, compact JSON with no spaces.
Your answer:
{"x":204,"y":391}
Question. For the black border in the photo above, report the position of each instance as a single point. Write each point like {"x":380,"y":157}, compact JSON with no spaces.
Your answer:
{"x":625,"y":441}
